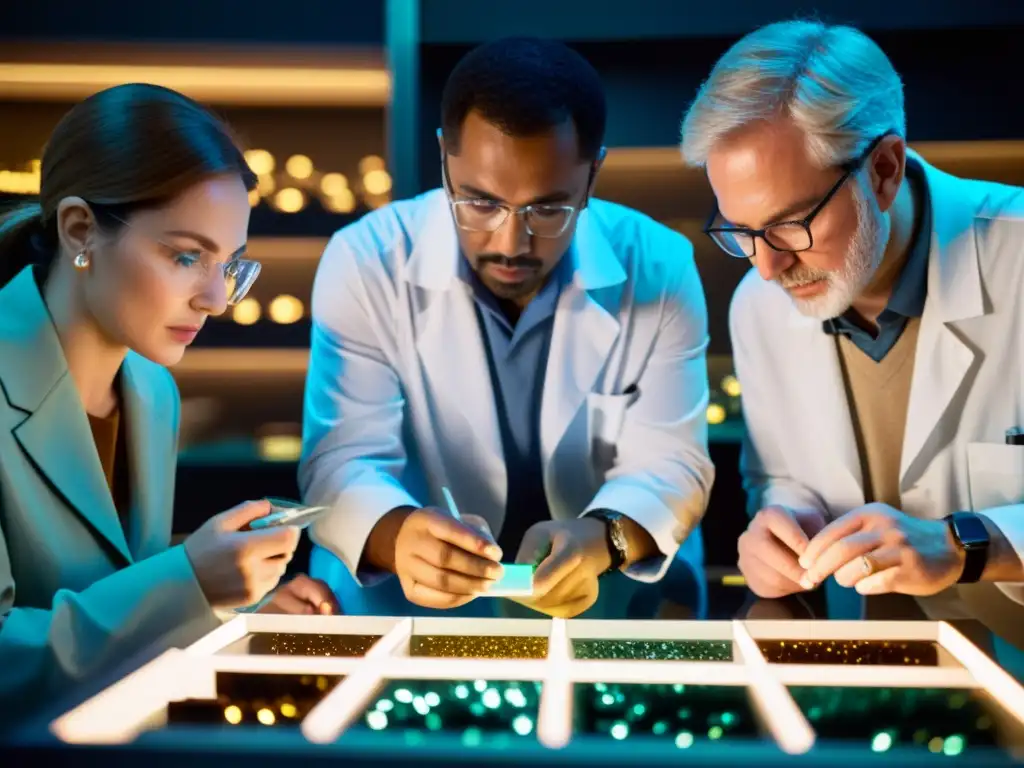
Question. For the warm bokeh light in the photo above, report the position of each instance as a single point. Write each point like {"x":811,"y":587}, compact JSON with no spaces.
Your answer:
{"x":376,"y":201}
{"x":716,"y":414}
{"x":285,"y":309}
{"x":22,"y":182}
{"x":289,"y":710}
{"x":299,"y":167}
{"x":731,"y":386}
{"x":266,"y":185}
{"x":254,"y":198}
{"x":377,"y":182}
{"x":371,"y":163}
{"x":289,"y":200}
{"x":246,"y":312}
{"x":342,"y":202}
{"x":333,"y":184}
{"x":260,"y":161}
{"x":233,"y":714}
{"x":280,"y":447}
{"x":266,"y":716}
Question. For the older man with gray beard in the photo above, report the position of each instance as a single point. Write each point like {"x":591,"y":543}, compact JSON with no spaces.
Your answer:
{"x":878,"y":338}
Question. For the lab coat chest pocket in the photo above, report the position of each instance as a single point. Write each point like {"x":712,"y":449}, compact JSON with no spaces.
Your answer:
{"x":606,"y":415}
{"x":996,"y":474}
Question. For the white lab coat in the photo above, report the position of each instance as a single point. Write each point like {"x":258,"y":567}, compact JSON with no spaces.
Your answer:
{"x":399,"y":401}
{"x":967,"y":388}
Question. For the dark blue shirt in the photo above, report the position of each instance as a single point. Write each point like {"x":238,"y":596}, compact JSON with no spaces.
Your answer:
{"x":517,"y":357}
{"x":909,"y":293}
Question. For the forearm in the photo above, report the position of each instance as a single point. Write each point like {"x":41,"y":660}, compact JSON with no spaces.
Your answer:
{"x":1004,"y":562}
{"x":640,"y":545}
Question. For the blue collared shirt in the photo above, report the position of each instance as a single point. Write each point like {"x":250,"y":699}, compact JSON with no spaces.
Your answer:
{"x":909,"y":293}
{"x":517,"y":357}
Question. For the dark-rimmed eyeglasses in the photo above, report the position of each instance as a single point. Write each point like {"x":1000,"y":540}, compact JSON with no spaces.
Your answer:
{"x":789,"y":236}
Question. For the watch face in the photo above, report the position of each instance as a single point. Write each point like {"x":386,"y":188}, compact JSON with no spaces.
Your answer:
{"x":970,"y":530}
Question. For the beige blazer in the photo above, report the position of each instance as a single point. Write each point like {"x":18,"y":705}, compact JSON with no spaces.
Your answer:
{"x":76,"y":595}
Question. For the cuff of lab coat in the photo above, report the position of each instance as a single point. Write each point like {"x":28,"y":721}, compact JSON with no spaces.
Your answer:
{"x":345,"y":530}
{"x":1010,"y":522}
{"x":650,"y":513}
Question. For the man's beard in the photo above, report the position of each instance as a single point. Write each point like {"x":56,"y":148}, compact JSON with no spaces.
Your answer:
{"x":532,"y":281}
{"x":844,"y":286}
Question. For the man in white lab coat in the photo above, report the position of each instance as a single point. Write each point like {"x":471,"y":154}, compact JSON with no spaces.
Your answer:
{"x":879,"y":340}
{"x":538,"y":353}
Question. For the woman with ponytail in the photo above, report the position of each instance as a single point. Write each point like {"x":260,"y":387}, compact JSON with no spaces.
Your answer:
{"x":137,"y":238}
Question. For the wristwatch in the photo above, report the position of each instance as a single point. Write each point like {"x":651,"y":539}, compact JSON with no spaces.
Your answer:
{"x":618,"y":547}
{"x":970,"y":533}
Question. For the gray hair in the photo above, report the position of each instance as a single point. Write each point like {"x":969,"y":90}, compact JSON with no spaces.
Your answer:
{"x":834,"y":82}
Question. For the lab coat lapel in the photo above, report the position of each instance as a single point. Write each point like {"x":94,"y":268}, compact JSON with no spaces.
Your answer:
{"x":459,"y":392}
{"x":585,"y":331}
{"x":943,"y":361}
{"x":823,"y":393}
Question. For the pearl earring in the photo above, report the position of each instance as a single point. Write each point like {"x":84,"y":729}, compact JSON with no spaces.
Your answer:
{"x":81,"y":261}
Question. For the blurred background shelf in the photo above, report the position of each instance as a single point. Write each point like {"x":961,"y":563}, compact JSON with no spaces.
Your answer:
{"x":338,"y":103}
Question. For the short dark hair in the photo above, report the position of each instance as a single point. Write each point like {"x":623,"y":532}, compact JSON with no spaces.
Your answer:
{"x":526,"y":86}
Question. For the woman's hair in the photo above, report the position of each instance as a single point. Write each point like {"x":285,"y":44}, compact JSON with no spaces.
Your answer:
{"x":834,"y":82}
{"x":128,"y":147}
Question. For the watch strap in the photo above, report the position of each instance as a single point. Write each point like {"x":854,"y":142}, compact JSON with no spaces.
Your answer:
{"x":614,"y":537}
{"x":970,"y":533}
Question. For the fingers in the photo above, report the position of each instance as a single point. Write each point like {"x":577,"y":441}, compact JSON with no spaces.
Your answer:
{"x":881,"y":583}
{"x":273,"y":542}
{"x":811,"y":521}
{"x":462,"y":536}
{"x":573,"y":598}
{"x":428,"y":597}
{"x":782,"y":525}
{"x":236,"y":518}
{"x":481,"y":525}
{"x":444,"y":580}
{"x":763,"y":580}
{"x":838,"y":529}
{"x":880,"y":559}
{"x":846,"y":551}
{"x":536,"y":545}
{"x":283,"y":602}
{"x":564,"y":559}
{"x":314,"y":593}
{"x":771,"y":553}
{"x":447,"y":557}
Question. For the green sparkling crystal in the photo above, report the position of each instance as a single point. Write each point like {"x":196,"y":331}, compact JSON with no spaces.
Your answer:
{"x":920,"y":718}
{"x":522,"y":725}
{"x":654,"y":650}
{"x":663,"y":710}
{"x":954,"y":745}
{"x":684,"y":739}
{"x":474,"y":707}
{"x":881,"y":742}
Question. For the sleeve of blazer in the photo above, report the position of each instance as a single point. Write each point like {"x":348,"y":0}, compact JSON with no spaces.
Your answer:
{"x":352,"y":451}
{"x":663,"y":473}
{"x":763,"y":466}
{"x":155,"y":602}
